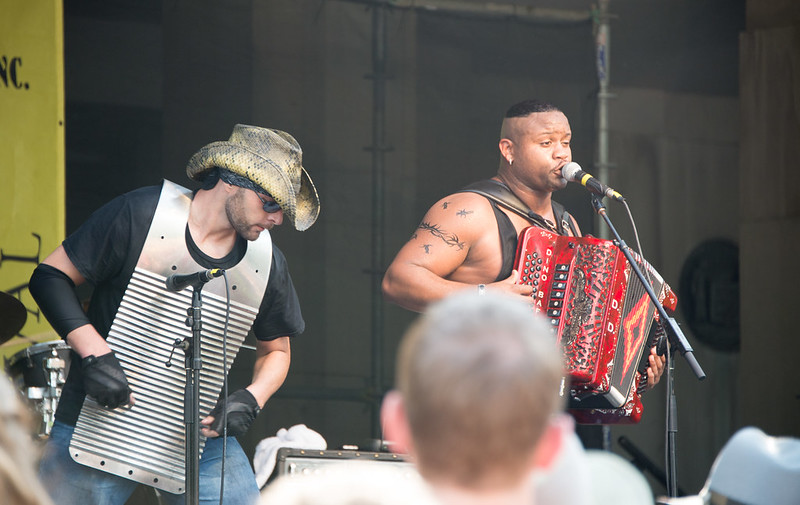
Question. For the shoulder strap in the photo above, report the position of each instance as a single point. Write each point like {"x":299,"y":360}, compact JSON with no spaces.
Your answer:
{"x":564,"y":219}
{"x":499,"y":192}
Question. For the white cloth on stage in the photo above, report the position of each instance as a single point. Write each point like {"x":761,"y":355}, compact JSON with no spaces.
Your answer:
{"x":298,"y":436}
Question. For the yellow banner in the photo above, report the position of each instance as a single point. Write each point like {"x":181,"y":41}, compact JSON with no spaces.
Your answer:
{"x":31,"y":158}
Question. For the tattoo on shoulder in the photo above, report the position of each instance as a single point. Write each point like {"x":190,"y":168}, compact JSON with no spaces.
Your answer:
{"x":427,"y":248}
{"x":445,"y":204}
{"x":450,"y":239}
{"x":464,"y":212}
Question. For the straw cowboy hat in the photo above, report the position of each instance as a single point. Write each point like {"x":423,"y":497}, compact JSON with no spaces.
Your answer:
{"x":270,"y":158}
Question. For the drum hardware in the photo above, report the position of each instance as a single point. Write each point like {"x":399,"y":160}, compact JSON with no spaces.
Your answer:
{"x":39,"y":372}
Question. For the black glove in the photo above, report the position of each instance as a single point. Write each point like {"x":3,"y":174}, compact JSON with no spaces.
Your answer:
{"x":242,"y":411}
{"x":104,"y":380}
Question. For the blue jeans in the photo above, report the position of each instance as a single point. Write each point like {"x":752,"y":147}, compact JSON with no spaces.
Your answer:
{"x":69,"y":482}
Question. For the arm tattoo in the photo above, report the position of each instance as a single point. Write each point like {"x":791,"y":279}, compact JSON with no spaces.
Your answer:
{"x":449,"y":239}
{"x":427,"y":248}
{"x":445,"y":204}
{"x":464,"y":212}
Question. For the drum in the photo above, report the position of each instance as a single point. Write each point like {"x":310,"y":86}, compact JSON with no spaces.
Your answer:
{"x":39,"y":372}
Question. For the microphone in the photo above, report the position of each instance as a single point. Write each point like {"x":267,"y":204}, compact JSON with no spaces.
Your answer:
{"x":572,"y":172}
{"x":176,"y":282}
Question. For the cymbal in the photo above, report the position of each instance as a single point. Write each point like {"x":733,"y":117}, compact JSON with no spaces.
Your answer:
{"x":12,"y":316}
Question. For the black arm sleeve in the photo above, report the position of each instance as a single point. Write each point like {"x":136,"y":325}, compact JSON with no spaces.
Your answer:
{"x":54,"y":292}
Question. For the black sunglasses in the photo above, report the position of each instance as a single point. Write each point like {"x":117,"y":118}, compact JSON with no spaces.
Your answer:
{"x":269,"y":207}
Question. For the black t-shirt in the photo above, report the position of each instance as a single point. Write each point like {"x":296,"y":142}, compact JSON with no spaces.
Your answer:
{"x":106,"y":249}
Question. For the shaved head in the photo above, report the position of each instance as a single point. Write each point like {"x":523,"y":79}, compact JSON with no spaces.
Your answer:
{"x":511,"y":127}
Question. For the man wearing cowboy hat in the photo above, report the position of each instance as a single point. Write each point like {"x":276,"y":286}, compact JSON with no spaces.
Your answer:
{"x":250,"y":183}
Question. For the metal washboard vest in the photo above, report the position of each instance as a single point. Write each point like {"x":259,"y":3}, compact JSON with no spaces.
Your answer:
{"x":146,"y":443}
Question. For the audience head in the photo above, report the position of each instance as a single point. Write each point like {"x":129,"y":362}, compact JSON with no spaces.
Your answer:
{"x":477,"y":385}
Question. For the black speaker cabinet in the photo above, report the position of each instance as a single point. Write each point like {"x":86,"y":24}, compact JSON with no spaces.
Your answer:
{"x":305,"y":461}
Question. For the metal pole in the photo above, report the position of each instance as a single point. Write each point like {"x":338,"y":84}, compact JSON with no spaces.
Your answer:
{"x":499,"y":9}
{"x":672,"y":430}
{"x":602,"y":46}
{"x":194,"y":364}
{"x":378,"y":149}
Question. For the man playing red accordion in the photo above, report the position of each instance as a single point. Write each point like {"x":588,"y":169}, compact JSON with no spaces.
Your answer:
{"x":467,"y":241}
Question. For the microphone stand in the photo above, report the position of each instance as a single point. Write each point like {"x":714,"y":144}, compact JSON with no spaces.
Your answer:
{"x":677,"y":342}
{"x":191,"y":413}
{"x":644,"y":463}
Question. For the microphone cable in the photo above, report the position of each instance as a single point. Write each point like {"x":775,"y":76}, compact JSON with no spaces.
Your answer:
{"x":225,"y":386}
{"x":639,"y":246}
{"x":668,"y":352}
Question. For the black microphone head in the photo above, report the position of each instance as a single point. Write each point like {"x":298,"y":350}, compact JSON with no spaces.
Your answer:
{"x":570,"y":171}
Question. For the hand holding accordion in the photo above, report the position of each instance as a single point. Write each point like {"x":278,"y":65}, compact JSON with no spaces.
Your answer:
{"x":602,"y":316}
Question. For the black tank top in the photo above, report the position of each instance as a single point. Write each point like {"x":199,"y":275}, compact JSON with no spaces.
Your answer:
{"x":495,"y":191}
{"x":508,"y":241}
{"x":509,"y":237}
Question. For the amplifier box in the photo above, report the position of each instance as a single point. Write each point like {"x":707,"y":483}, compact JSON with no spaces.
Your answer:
{"x":291,"y":461}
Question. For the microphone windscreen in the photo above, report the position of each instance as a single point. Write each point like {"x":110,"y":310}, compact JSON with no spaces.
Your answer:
{"x":570,"y":171}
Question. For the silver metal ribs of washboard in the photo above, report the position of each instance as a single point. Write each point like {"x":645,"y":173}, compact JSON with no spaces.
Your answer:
{"x":147,"y":442}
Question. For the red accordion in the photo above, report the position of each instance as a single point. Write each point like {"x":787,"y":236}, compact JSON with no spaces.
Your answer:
{"x":602,"y":316}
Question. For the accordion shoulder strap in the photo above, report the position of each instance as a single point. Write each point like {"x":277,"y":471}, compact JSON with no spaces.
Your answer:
{"x":498,"y":192}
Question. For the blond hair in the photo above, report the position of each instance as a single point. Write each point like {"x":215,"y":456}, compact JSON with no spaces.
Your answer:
{"x":479,"y":377}
{"x":19,"y":483}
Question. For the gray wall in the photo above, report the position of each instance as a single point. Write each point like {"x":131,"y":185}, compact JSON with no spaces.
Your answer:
{"x":149,"y":83}
{"x":770,"y":211}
